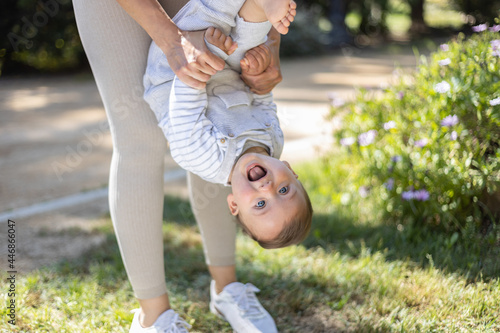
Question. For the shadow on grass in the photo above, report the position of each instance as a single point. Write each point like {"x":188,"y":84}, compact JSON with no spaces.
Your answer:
{"x":472,"y":258}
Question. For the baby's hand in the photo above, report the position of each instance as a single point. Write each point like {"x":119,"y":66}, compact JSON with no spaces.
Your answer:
{"x":256,"y":60}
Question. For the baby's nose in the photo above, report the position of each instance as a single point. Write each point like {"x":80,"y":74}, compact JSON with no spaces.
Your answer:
{"x":266,"y":185}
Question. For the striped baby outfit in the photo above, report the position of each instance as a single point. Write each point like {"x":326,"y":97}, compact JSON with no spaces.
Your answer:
{"x":208,"y":129}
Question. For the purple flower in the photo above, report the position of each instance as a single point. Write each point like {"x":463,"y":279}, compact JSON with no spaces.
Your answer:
{"x":367,"y":138}
{"x":396,"y":158}
{"x":363,"y":191}
{"x":495,"y":28}
{"x":389,"y":184}
{"x":453,"y":136}
{"x":335,"y":100}
{"x":442,"y":87}
{"x":449,"y":121}
{"x":347,"y":141}
{"x":421,"y":143}
{"x":389,"y":125}
{"x":400,"y":95}
{"x":407,"y":195}
{"x":495,"y":47}
{"x":495,"y":101}
{"x":444,"y":62}
{"x":444,"y":47}
{"x":480,"y":27}
{"x":421,"y":195}
{"x":495,"y":44}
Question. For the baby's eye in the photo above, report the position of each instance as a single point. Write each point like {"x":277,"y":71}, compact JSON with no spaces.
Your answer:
{"x":283,"y":190}
{"x":261,"y":204}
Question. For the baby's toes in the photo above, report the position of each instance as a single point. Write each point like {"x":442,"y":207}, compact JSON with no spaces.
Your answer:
{"x":281,"y":28}
{"x":218,"y":33}
{"x":209,"y":33}
{"x":217,"y":38}
{"x":229,"y":45}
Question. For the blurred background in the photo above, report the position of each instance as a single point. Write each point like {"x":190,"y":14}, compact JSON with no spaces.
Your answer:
{"x":42,"y":36}
{"x":391,"y":116}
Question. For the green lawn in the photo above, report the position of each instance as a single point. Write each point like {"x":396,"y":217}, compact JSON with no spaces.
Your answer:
{"x":351,"y":275}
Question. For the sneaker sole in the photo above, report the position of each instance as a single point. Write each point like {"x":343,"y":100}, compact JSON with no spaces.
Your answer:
{"x":216,"y":312}
{"x":219,"y":314}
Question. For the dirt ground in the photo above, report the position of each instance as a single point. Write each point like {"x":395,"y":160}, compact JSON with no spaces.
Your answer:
{"x":55,"y":142}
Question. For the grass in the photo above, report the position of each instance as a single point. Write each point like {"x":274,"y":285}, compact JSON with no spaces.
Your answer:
{"x":353,"y":274}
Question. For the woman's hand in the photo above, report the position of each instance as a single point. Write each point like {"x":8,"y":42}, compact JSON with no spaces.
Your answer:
{"x":190,"y":59}
{"x":264,"y":82}
{"x":186,"y":52}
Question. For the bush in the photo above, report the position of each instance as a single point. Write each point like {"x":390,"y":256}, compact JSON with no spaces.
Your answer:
{"x":428,"y":147}
{"x":40,"y":36}
{"x":481,"y":10}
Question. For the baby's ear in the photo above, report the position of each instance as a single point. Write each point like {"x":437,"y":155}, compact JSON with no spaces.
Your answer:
{"x":290,"y":167}
{"x":233,"y":207}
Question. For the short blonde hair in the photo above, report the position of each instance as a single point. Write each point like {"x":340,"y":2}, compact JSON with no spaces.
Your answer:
{"x":294,"y":232}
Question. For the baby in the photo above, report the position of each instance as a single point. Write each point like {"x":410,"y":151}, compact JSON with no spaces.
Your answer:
{"x":226,"y":134}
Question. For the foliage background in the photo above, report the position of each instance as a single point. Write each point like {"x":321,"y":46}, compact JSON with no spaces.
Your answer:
{"x":41,"y":35}
{"x":425,"y":153}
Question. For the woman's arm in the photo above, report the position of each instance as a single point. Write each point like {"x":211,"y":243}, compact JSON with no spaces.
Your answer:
{"x":265,"y":82}
{"x":186,"y":51}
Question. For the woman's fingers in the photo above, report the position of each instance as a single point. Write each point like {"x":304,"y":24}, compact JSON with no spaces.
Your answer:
{"x":257,"y":60}
{"x":210,"y":62}
{"x":192,"y":62}
{"x":263,"y":83}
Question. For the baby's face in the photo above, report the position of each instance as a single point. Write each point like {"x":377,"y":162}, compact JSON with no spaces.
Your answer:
{"x":266,"y":194}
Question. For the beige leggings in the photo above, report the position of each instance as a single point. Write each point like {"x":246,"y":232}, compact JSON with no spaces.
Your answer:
{"x":117,"y":48}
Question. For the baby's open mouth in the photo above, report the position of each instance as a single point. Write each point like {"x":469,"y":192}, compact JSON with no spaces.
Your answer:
{"x":256,"y":172}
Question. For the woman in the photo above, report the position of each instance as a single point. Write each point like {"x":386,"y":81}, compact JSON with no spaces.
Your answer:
{"x":116,"y":36}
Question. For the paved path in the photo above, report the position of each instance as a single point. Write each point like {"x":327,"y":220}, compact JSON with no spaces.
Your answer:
{"x":54,"y":141}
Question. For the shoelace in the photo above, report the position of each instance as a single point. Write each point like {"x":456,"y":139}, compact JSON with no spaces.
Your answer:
{"x":247,"y":301}
{"x":178,"y":325}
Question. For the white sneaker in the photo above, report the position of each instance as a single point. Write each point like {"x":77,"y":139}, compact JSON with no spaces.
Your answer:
{"x":238,"y":305}
{"x":167,"y":322}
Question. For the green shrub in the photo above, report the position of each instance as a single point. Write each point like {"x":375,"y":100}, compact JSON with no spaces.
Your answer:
{"x":39,"y":36}
{"x":428,"y":147}
{"x":481,"y":10}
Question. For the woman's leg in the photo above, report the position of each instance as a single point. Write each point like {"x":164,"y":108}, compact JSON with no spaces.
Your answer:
{"x":117,"y":47}
{"x":117,"y":50}
{"x":217,"y":228}
{"x":218,"y":231}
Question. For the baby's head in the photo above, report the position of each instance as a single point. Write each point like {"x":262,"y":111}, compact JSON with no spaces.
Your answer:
{"x":269,"y":202}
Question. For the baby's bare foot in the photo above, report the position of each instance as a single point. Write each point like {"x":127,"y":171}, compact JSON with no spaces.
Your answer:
{"x":279,"y":12}
{"x":215,"y":37}
{"x":256,"y":60}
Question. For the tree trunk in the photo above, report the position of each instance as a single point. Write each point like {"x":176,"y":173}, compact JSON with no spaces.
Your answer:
{"x":336,"y":16}
{"x":418,"y":25}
